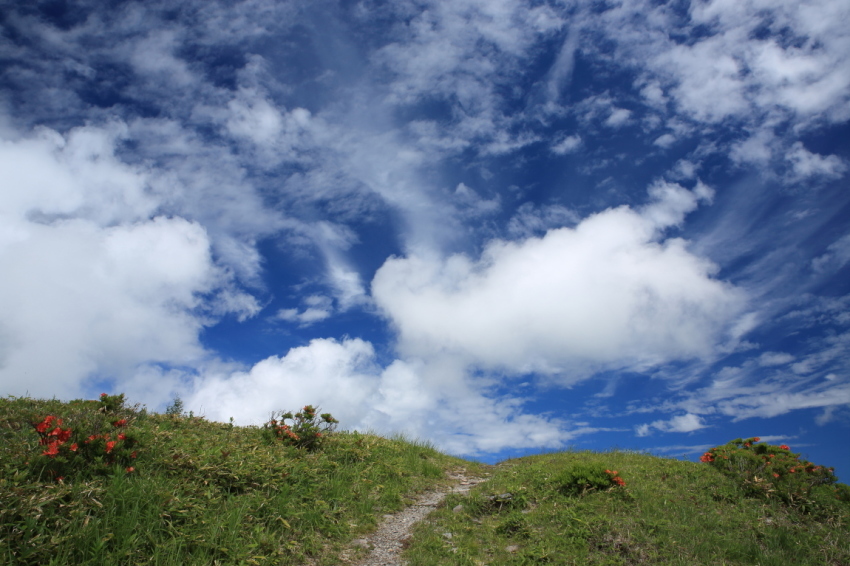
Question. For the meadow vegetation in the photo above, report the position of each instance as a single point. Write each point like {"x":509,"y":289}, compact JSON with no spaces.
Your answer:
{"x":194,"y":492}
{"x":103,"y":483}
{"x":567,"y":509}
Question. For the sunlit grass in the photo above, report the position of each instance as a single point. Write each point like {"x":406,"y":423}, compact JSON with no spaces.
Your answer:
{"x":670,"y":512}
{"x":203,"y":493}
{"x":211,"y":493}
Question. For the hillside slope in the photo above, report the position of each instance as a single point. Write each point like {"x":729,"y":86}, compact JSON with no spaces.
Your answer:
{"x":114,"y":485}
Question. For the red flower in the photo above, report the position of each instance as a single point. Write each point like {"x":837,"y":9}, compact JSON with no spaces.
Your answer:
{"x":121,"y":436}
{"x":61,"y":435}
{"x":784,"y":447}
{"x":103,"y":395}
{"x":119,"y":423}
{"x":775,"y":475}
{"x":756,"y":439}
{"x":131,"y":469}
{"x":747,"y":444}
{"x":707,"y":457}
{"x":109,"y":446}
{"x":73,"y":447}
{"x":52,"y":450}
{"x":793,"y":470}
{"x":133,"y":455}
{"x":45,"y":424}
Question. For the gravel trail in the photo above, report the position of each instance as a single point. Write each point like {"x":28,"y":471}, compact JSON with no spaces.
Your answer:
{"x":387,"y":543}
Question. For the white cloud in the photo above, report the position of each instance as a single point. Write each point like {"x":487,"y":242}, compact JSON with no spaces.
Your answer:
{"x":50,"y":176}
{"x":561,"y":72}
{"x":318,"y":309}
{"x":808,"y":164}
{"x":435,"y":401}
{"x":772,"y":404}
{"x":474,"y":205}
{"x":684,"y":169}
{"x":681,"y":423}
{"x":665,"y":140}
{"x":609,"y":293}
{"x":756,"y":149}
{"x":837,"y":256}
{"x":243,"y":305}
{"x":530,"y":220}
{"x":764,"y":387}
{"x":340,"y":377}
{"x":153,"y":58}
{"x":567,"y":145}
{"x":775,"y":359}
{"x":754,"y":64}
{"x":827,"y":416}
{"x":618,"y":117}
{"x":78,"y":300}
{"x":464,"y":52}
{"x":95,"y":283}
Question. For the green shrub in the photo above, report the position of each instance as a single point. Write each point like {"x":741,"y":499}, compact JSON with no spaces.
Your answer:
{"x":308,"y":428}
{"x":768,"y":471}
{"x":90,"y":438}
{"x":583,"y":478}
{"x":175,"y":409}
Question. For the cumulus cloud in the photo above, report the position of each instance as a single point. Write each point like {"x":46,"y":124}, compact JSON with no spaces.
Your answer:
{"x":79,"y":300}
{"x":609,"y":293}
{"x":96,"y":283}
{"x":436,"y":401}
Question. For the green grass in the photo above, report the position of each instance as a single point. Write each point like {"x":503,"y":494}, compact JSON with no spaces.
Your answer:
{"x":669,"y":512}
{"x":211,"y":493}
{"x":202,"y":493}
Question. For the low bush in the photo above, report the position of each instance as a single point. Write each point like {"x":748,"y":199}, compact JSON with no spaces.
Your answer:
{"x":85,"y":442}
{"x":769,"y":471}
{"x":307,"y":430}
{"x":583,"y":478}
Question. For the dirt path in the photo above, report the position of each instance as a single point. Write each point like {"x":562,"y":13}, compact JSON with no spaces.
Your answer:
{"x":388,"y":541}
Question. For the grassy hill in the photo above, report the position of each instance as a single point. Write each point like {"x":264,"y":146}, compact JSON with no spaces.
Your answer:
{"x":114,"y":485}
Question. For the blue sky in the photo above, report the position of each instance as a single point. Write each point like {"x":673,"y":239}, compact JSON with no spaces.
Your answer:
{"x":503,"y":226}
